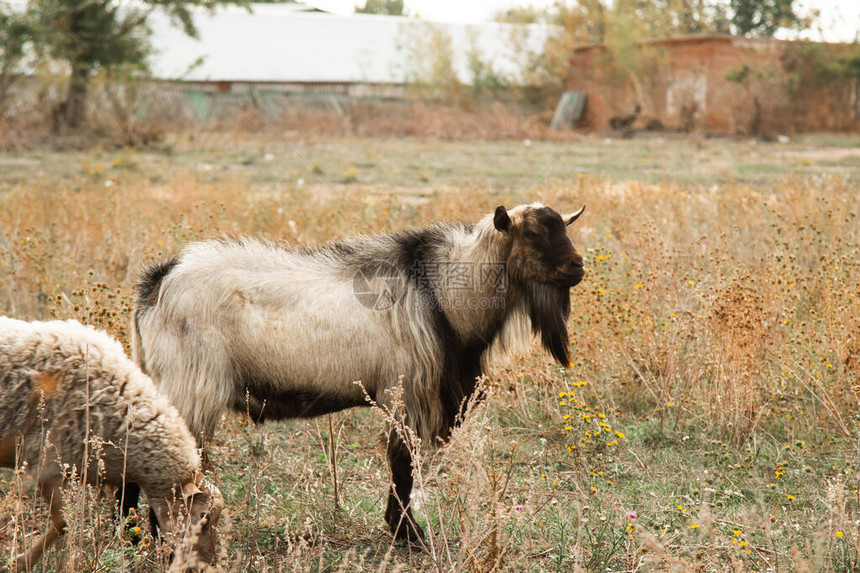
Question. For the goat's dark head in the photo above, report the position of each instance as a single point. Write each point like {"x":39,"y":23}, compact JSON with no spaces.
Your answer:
{"x":544,"y":262}
{"x":541,"y":251}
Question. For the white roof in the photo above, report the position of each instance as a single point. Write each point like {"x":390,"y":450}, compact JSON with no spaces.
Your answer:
{"x":287,"y":43}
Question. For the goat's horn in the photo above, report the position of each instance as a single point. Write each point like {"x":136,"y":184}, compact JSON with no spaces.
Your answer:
{"x":571,"y":217}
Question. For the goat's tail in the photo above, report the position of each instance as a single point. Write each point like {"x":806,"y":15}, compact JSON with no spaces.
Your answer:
{"x":190,"y":369}
{"x":147,"y":291}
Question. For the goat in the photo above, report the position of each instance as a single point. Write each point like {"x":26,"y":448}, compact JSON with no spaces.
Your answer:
{"x":624,"y":123}
{"x":284,"y":332}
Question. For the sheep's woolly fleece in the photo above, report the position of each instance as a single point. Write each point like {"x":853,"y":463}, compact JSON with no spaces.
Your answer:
{"x":58,"y":377}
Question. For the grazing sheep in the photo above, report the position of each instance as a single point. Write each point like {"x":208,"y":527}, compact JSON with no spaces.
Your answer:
{"x":285,"y":332}
{"x":61,"y":382}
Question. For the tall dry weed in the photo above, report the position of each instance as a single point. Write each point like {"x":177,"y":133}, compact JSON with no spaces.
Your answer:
{"x":737,"y":328}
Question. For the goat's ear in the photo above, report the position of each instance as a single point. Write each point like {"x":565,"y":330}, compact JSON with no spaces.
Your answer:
{"x":571,"y":217}
{"x":501,"y":220}
{"x":189,"y":490}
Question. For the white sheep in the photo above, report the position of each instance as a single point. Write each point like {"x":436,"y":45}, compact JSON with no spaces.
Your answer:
{"x":61,"y":382}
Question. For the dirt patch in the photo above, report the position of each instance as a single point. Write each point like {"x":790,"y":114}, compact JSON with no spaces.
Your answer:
{"x":827,"y":154}
{"x":18,"y":161}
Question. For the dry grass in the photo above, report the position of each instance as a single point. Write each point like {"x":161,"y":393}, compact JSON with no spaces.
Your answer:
{"x":708,"y":421}
{"x":414,"y":119}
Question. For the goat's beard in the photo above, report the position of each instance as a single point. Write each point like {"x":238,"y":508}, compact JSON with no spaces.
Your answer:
{"x":549,"y":308}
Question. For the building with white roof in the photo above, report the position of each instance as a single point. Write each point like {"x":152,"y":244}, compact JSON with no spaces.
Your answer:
{"x":281,"y":58}
{"x":294,"y":45}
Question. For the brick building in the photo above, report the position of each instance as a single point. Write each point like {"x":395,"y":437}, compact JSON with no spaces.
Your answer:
{"x":723,"y":84}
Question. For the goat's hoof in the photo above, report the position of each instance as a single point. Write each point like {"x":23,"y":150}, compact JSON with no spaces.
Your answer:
{"x":410,"y":533}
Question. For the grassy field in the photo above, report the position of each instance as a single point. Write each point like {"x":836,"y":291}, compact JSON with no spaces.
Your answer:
{"x":708,"y":423}
{"x":281,"y":162}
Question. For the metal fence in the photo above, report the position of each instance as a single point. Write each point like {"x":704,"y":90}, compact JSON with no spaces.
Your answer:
{"x":162,"y":103}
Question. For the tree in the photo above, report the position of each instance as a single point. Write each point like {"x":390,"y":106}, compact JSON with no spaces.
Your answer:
{"x":621,"y":26}
{"x":389,"y":7}
{"x":521,"y":15}
{"x":89,"y":35}
{"x":15,"y":33}
{"x":762,"y":18}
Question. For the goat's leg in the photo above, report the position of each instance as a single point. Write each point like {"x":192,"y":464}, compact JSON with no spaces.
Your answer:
{"x":398,"y":514}
{"x":54,"y":496}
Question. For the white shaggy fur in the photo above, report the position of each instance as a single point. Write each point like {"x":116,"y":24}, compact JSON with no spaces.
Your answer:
{"x":60,"y":381}
{"x":288,"y":312}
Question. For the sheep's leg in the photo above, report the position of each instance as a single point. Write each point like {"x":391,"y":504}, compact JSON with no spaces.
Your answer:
{"x":54,"y":496}
{"x":128,"y":497}
{"x":398,"y":514}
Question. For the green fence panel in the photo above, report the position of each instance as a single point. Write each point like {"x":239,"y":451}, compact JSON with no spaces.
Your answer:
{"x":200,"y":104}
{"x":569,"y":109}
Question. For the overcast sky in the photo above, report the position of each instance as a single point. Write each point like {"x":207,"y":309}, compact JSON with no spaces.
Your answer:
{"x":840,"y":19}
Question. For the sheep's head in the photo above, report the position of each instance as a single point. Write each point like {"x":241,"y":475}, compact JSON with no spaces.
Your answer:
{"x":541,"y":251}
{"x":204,"y":512}
{"x":193,"y":516}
